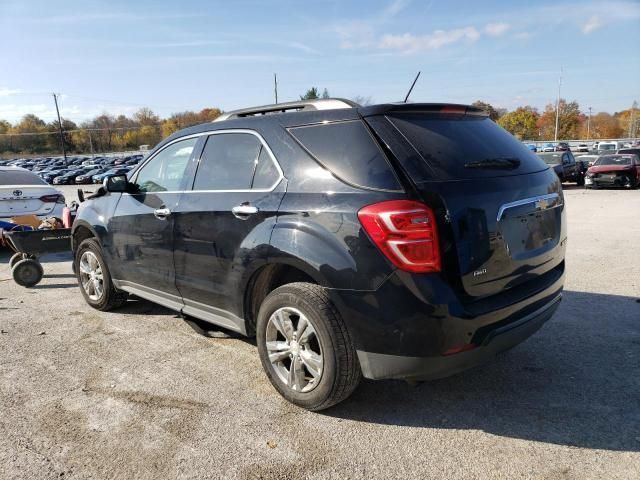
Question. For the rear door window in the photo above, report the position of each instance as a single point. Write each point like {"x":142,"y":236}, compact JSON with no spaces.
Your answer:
{"x":228,"y":162}
{"x":350,"y":152}
{"x":461,"y":147}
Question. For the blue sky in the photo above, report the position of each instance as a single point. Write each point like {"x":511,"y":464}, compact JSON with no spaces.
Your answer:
{"x":117,"y":56}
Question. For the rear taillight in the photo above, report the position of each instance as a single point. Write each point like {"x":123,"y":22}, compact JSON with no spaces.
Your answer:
{"x":52,"y":199}
{"x":405,"y":231}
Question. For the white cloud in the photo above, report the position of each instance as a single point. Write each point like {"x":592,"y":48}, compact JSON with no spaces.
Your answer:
{"x":496,"y":29}
{"x":408,"y":43}
{"x":6,"y":92}
{"x":592,"y":24}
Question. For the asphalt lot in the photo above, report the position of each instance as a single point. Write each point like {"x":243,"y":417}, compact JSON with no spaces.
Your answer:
{"x":141,"y":393}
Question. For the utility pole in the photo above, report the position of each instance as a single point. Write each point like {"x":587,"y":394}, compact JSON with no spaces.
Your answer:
{"x":632,"y":132}
{"x":555,"y":139}
{"x":589,"y":125}
{"x":64,"y":152}
{"x":91,"y":144}
{"x":275,"y":86}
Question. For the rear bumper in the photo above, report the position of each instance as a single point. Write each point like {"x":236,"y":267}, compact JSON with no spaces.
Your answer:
{"x":409,"y":326}
{"x":379,"y":366}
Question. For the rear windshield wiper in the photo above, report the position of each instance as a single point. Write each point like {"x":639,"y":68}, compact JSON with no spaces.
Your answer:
{"x":495,"y":163}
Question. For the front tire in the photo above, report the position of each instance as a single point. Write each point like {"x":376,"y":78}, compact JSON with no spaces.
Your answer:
{"x":94,"y":278}
{"x":305,"y":348}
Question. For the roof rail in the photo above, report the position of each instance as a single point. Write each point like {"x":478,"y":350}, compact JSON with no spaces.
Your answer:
{"x":302,"y":105}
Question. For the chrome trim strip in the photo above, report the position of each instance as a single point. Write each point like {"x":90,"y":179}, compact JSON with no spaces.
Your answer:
{"x":526,"y":201}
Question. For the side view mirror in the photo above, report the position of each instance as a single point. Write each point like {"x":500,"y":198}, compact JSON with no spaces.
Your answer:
{"x":116,"y":183}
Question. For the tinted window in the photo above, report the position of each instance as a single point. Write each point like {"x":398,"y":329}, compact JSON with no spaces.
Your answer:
{"x":228,"y":162}
{"x":266,"y":172}
{"x":20,"y":178}
{"x":466,"y":146}
{"x":349,"y":151}
{"x":165,"y":171}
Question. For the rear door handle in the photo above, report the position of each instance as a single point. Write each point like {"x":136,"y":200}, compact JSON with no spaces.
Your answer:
{"x":161,"y":213}
{"x":243,"y":211}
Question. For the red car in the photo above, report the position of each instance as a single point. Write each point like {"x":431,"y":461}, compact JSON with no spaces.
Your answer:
{"x":619,"y":170}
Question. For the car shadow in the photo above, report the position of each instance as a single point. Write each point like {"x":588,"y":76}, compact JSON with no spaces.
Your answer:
{"x":573,"y":383}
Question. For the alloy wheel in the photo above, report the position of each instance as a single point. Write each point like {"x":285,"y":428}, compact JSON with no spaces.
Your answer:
{"x":294,"y":349}
{"x":91,"y":277}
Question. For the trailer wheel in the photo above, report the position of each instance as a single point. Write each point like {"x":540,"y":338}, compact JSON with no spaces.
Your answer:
{"x":27,"y":272}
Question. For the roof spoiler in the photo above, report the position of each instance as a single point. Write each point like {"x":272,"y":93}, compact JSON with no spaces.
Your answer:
{"x":302,"y":105}
{"x":429,"y":108}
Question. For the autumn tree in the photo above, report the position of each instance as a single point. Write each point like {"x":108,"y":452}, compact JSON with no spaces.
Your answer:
{"x":521,"y":122}
{"x":494,"y":114}
{"x":629,"y":121}
{"x":568,"y":124}
{"x":602,"y":126}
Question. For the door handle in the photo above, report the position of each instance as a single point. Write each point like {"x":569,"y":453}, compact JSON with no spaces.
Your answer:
{"x":243,"y":211}
{"x":161,"y":213}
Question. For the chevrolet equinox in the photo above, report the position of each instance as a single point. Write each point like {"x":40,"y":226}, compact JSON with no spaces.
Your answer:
{"x":394,"y":241}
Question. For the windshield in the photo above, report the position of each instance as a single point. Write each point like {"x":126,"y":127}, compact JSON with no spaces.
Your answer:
{"x":614,"y":160}
{"x":551,"y":158}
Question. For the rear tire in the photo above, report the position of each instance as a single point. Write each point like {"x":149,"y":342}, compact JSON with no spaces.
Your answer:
{"x":94,"y":278}
{"x":27,"y":272}
{"x":326,"y":358}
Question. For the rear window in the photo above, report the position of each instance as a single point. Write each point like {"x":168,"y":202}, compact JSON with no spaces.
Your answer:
{"x":459,"y":147}
{"x":349,"y":151}
{"x":20,"y":177}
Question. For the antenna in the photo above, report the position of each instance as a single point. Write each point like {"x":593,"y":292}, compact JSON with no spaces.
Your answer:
{"x":275,"y":86}
{"x":412,"y":85}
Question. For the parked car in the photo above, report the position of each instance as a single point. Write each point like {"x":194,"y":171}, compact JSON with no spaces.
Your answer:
{"x":532,"y":147}
{"x":548,"y":147}
{"x":24,"y":193}
{"x":630,"y":150}
{"x":608,"y":147}
{"x":86,"y":177}
{"x":582,"y":147}
{"x":49,"y":177}
{"x":619,"y":170}
{"x":98,"y":178}
{"x":564,"y":164}
{"x":562,"y":147}
{"x":69,"y":178}
{"x":404,"y":241}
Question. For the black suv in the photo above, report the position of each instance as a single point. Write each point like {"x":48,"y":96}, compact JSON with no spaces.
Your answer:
{"x":406,"y":241}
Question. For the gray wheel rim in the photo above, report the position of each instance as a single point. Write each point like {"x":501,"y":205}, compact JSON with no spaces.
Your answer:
{"x":91,"y":277}
{"x":294,"y":349}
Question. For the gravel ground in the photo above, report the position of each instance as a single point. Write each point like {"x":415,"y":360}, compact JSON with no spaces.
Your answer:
{"x":140,"y":393}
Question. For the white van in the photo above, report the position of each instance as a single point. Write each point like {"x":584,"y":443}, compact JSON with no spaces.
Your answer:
{"x":609,"y":147}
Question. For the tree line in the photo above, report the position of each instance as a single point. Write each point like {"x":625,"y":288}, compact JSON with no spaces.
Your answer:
{"x":527,"y":123}
{"x":107,"y":133}
{"x":104,"y":133}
